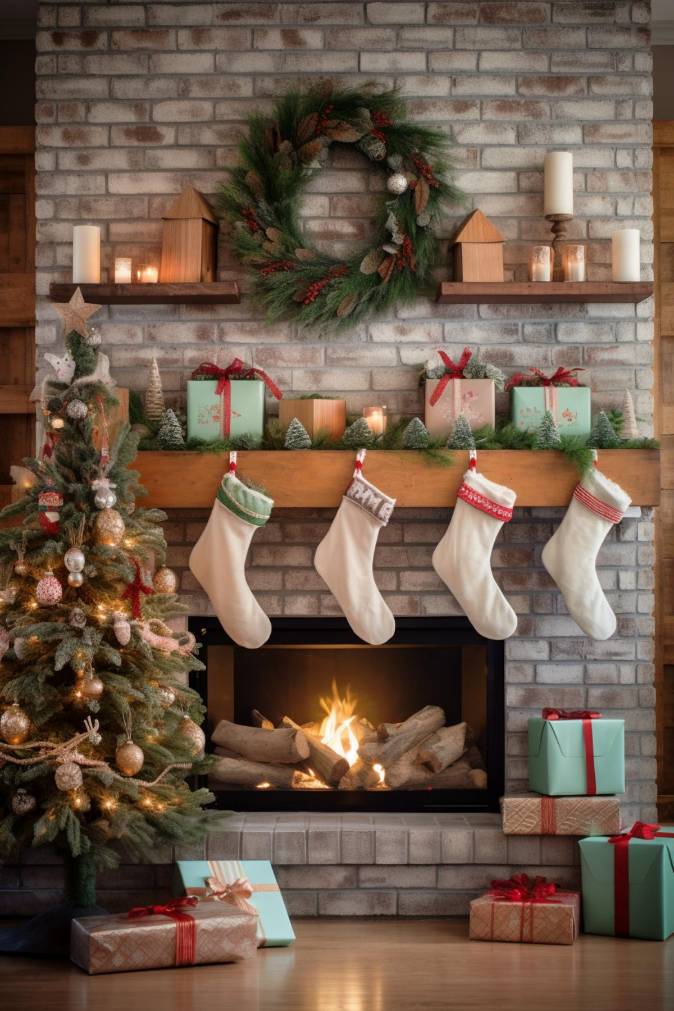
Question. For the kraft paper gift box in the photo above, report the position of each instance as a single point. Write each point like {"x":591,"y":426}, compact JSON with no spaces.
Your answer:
{"x":555,"y":921}
{"x":317,"y":414}
{"x":574,"y":757}
{"x":628,"y":883}
{"x":570,"y":406}
{"x":475,"y":399}
{"x":206,"y":409}
{"x":122,"y":943}
{"x":581,"y":816}
{"x":273,"y":927}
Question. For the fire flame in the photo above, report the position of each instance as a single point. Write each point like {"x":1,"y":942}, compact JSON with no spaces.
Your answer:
{"x":340,"y":728}
{"x":381,"y":772}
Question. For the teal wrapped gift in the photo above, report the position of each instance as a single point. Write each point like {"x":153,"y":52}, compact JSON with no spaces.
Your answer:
{"x":224,"y":403}
{"x":535,"y":393}
{"x":628,"y":882}
{"x":241,"y":881}
{"x":576,"y":753}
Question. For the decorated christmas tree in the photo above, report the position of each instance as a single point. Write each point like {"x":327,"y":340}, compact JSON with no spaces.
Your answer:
{"x":358,"y":435}
{"x":170,"y":434}
{"x":297,"y":436}
{"x":462,"y":437}
{"x":416,"y":435}
{"x":547,"y":434}
{"x":98,"y":730}
{"x":603,"y":434}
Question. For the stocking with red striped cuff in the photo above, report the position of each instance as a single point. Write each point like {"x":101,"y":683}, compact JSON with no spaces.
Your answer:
{"x":462,"y":558}
{"x":571,"y":553}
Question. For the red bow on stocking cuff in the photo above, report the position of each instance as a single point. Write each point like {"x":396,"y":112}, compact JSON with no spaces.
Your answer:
{"x":586,"y":715}
{"x":134,"y":590}
{"x":453,"y":370}
{"x":186,"y":928}
{"x":562,"y":377}
{"x":235,"y":370}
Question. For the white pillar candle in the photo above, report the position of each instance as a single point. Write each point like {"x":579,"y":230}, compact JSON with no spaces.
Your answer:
{"x":123,"y":270}
{"x":86,"y":254}
{"x":540,"y":263}
{"x":376,"y":419}
{"x":558,"y":183}
{"x":626,"y":255}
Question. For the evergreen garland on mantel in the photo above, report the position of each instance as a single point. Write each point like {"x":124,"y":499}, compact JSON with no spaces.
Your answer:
{"x":278,"y":157}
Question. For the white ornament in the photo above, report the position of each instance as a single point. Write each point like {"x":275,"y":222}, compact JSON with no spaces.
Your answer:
{"x":63,"y":366}
{"x":122,"y":628}
{"x":77,"y":410}
{"x":68,"y":776}
{"x":104,"y":497}
{"x":74,"y":559}
{"x":101,"y":373}
{"x":75,"y":579}
{"x":397,"y":183}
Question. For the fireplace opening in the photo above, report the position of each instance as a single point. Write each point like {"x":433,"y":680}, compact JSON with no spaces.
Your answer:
{"x":415,"y":724}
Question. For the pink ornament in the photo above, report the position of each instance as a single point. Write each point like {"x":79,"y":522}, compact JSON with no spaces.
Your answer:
{"x":48,"y":591}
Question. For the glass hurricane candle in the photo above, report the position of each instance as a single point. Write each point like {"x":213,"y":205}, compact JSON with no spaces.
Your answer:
{"x":540,"y":263}
{"x":147,"y":274}
{"x":123,"y":270}
{"x":376,"y":419}
{"x":573,"y":262}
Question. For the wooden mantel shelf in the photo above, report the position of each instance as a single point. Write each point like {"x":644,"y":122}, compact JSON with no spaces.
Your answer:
{"x":520,"y":292}
{"x":317,"y":478}
{"x":214,"y":293}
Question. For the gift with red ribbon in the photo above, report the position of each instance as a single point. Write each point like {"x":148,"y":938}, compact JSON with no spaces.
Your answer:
{"x":536,"y":377}
{"x":533,"y":393}
{"x":579,"y":816}
{"x":576,"y":753}
{"x":526,"y":910}
{"x":453,"y":393}
{"x":180,"y":932}
{"x":628,"y":882}
{"x":227,"y":402}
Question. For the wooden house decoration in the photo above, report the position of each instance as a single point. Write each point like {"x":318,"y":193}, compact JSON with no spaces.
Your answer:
{"x":478,"y":250}
{"x":189,"y":242}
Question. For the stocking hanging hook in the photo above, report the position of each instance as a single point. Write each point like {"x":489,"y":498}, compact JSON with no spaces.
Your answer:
{"x":472,"y":459}
{"x":232,"y":461}
{"x":360,"y":460}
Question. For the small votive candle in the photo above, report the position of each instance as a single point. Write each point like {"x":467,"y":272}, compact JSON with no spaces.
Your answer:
{"x":573,"y":262}
{"x":147,"y":274}
{"x":86,"y":254}
{"x":123,"y":270}
{"x":376,"y":419}
{"x":540,"y":263}
{"x":626,"y":255}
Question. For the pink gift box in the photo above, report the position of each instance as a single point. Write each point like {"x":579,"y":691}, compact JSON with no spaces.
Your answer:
{"x":474,"y":398}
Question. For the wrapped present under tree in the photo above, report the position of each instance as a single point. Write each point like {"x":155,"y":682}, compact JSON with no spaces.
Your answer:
{"x":525,"y":910}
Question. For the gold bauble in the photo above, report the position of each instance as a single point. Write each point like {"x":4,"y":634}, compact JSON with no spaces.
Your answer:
{"x":109,"y":527}
{"x":14,"y":725}
{"x":165,"y":580}
{"x":166,"y":695}
{"x":194,"y":735}
{"x":91,"y":687}
{"x":23,"y":802}
{"x":21,"y":568}
{"x":68,"y":776}
{"x":129,"y":758}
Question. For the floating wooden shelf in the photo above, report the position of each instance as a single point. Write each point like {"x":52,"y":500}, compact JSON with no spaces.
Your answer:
{"x":215,"y":293}
{"x":317,"y":478}
{"x":517,"y":293}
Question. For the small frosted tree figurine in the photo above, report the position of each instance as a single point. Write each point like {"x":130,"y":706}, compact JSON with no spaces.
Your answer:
{"x":630,"y":429}
{"x":547,"y":434}
{"x":170,"y":434}
{"x":154,"y":395}
{"x":416,"y":435}
{"x":462,"y":437}
{"x":358,"y":434}
{"x":297,"y":436}
{"x":603,"y":435}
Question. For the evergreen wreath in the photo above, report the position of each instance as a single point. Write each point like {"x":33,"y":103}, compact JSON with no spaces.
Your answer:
{"x":282,"y":152}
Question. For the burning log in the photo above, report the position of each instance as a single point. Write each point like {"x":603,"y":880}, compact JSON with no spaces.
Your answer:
{"x":240,"y":772}
{"x":322,"y":761}
{"x":407,"y":735}
{"x":385,"y":731}
{"x":286,"y":746}
{"x":360,"y":777}
{"x":444,"y":748}
{"x":260,"y":720}
{"x":408,"y":774}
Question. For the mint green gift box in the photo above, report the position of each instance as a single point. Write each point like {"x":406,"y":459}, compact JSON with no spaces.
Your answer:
{"x":205,"y":408}
{"x":569,"y":405}
{"x":557,"y":756}
{"x":274,"y":929}
{"x":651,"y":886}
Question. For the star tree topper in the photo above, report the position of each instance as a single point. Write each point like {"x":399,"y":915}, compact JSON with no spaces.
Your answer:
{"x":75,"y":313}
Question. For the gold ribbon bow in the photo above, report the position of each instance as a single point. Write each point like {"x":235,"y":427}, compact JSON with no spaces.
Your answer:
{"x":236,"y":894}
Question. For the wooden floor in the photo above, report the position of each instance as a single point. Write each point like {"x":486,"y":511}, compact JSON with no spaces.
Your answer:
{"x":372,"y":965}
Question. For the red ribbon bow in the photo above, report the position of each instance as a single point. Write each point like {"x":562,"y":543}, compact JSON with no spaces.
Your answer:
{"x":562,"y":377}
{"x":522,"y":888}
{"x":134,"y":590}
{"x":621,"y":870}
{"x":235,"y":370}
{"x":453,"y":370}
{"x":586,"y":715}
{"x":186,"y":928}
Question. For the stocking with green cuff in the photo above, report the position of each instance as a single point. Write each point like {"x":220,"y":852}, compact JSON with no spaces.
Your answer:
{"x":219,"y":556}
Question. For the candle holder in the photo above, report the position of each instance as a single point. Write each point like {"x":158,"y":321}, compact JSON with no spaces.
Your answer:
{"x":558,"y":227}
{"x":147,"y":273}
{"x":573,"y":261}
{"x":376,"y":418}
{"x":540,"y":263}
{"x":123,"y":269}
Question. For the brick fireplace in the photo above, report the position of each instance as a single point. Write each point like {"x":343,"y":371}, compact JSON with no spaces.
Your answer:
{"x":136,"y":99}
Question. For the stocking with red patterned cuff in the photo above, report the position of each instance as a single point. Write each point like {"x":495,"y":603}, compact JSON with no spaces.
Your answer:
{"x":462,"y":558}
{"x":571,"y":553}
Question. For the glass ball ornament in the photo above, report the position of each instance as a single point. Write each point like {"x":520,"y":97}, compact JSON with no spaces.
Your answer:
{"x":68,"y":776}
{"x":105,"y":498}
{"x":165,"y":580}
{"x":15,"y":725}
{"x":48,"y":591}
{"x":23,"y":802}
{"x":122,"y":628}
{"x":109,"y":527}
{"x":74,"y":559}
{"x":129,"y":758}
{"x":77,"y":618}
{"x":166,"y":696}
{"x":397,"y":183}
{"x":193,"y":735}
{"x":91,"y":687}
{"x":77,"y":410}
{"x":75,"y":579}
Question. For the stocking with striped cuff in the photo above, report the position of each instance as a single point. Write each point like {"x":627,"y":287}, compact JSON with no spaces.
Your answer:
{"x":345,"y":555}
{"x":219,"y":557}
{"x":571,"y":553}
{"x":462,"y":558}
